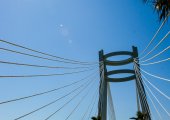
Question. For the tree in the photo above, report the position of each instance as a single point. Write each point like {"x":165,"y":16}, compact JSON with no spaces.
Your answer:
{"x":140,"y":116}
{"x":161,"y":6}
{"x":96,"y":118}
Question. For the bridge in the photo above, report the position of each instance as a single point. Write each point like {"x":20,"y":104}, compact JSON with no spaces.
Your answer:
{"x":97,"y":80}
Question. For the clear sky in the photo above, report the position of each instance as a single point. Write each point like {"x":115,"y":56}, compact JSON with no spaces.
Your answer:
{"x":75,"y":29}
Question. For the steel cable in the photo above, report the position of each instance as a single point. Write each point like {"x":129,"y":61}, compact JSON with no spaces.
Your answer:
{"x":111,"y":106}
{"x":157,"y":100}
{"x":84,"y":115}
{"x":41,"y":66}
{"x":44,"y":106}
{"x":43,"y":53}
{"x":152,"y":63}
{"x":164,"y":50}
{"x":160,"y":27}
{"x":43,"y":75}
{"x":93,"y":105}
{"x":40,"y":57}
{"x":80,"y":101}
{"x":150,"y":98}
{"x":156,"y":46}
{"x":46,"y":92}
{"x":166,"y":96}
{"x":160,"y":117}
{"x":165,"y":79}
{"x":67,"y":102}
{"x":141,"y":90}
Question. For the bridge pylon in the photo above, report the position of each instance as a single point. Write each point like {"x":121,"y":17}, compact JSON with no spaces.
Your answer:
{"x":105,"y":78}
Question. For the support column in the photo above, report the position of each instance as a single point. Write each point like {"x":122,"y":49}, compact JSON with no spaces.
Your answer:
{"x":135,"y":55}
{"x":103,"y":88}
{"x":140,"y":87}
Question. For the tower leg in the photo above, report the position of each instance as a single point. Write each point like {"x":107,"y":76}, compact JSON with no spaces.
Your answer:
{"x":103,"y":88}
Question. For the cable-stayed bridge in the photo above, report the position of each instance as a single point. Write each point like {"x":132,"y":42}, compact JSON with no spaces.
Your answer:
{"x":95,"y":85}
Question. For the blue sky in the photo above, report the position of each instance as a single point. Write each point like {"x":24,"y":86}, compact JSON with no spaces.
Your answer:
{"x":75,"y":29}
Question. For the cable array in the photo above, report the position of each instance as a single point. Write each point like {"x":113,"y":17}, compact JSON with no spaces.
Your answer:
{"x":143,"y":63}
{"x":83,"y":86}
{"x":141,"y":90}
{"x":152,"y":63}
{"x":44,"y":106}
{"x":32,"y":53}
{"x":80,"y":101}
{"x":40,"y":57}
{"x":166,"y":96}
{"x":112,"y":115}
{"x":157,"y":100}
{"x":154,"y":95}
{"x":91,"y":103}
{"x":68,"y":101}
{"x":160,"y":117}
{"x":150,"y":74}
{"x":47,"y":54}
{"x":160,"y":27}
{"x":162,"y":78}
{"x":167,"y":48}
{"x":47,"y":92}
{"x":43,"y":75}
{"x":156,"y":45}
{"x":41,"y":66}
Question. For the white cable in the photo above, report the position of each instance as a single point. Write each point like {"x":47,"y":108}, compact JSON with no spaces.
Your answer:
{"x":154,"y":97}
{"x":165,"y":79}
{"x":156,"y":45}
{"x":152,"y":63}
{"x":167,"y":48}
{"x":137,"y":72}
{"x":110,"y":101}
{"x":137,"y":75}
{"x":93,"y":99}
{"x":157,"y":99}
{"x":160,"y":117}
{"x":160,"y":27}
{"x":166,"y":96}
{"x":93,"y":105}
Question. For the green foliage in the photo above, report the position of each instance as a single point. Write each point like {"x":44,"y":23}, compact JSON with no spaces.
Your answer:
{"x":140,"y":116}
{"x":161,"y":6}
{"x":96,"y":118}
